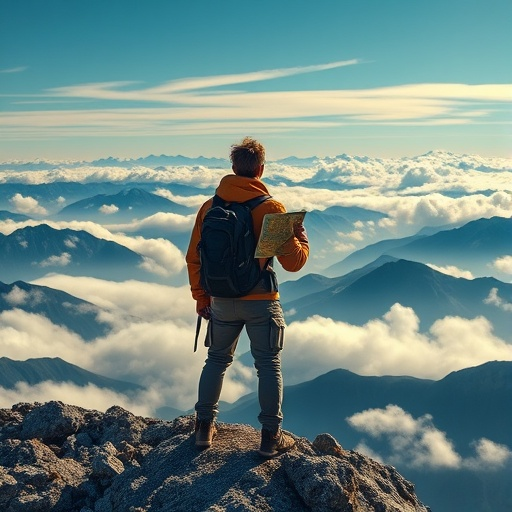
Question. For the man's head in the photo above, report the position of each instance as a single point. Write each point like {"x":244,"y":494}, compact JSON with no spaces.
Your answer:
{"x":248,"y":158}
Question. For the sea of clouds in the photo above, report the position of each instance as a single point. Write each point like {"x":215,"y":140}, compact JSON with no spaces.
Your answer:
{"x":153,"y":324}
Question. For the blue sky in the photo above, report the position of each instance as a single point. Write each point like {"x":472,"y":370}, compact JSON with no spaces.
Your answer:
{"x":388,"y":78}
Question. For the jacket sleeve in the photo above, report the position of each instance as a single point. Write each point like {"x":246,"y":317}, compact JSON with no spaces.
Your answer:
{"x":295,"y":254}
{"x":295,"y":250}
{"x":194,"y":263}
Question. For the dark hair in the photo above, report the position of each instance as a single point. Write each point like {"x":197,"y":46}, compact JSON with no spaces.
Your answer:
{"x":246,"y":157}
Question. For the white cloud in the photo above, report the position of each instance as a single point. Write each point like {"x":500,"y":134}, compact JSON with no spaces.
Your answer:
{"x":61,"y":260}
{"x":161,"y":256}
{"x":143,"y":403}
{"x":158,"y":355}
{"x":489,"y":455}
{"x":504,"y":264}
{"x":452,"y":270}
{"x":19,"y":297}
{"x":494,"y":299}
{"x":413,"y":442}
{"x":27,"y":205}
{"x":170,"y":222}
{"x":318,"y":345}
{"x":24,"y":335}
{"x":336,"y":246}
{"x":108,"y":209}
{"x":190,"y":201}
{"x":71,"y":242}
{"x":416,"y":442}
{"x":352,"y":235}
{"x":390,"y":420}
{"x":16,"y":296}
{"x":145,"y":301}
{"x":437,"y":210}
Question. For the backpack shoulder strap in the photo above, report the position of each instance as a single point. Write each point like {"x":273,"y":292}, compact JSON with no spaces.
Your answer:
{"x":217,"y":201}
{"x":252,"y":203}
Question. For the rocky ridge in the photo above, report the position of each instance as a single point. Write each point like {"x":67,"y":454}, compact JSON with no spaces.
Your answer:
{"x":59,"y":457}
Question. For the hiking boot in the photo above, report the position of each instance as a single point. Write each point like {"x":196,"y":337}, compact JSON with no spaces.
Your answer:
{"x":205,"y":432}
{"x":274,"y":443}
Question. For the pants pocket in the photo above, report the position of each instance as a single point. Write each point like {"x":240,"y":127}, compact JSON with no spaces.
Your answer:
{"x":277,"y":326}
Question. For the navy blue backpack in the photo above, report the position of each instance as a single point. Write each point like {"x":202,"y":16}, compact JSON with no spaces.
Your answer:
{"x":227,"y":247}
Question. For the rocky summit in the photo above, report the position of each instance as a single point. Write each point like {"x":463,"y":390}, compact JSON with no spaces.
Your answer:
{"x":58,"y":457}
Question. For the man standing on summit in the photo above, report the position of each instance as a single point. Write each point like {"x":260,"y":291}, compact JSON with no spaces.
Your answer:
{"x":259,"y":310}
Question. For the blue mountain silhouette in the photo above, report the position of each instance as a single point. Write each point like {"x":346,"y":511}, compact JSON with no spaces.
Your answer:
{"x":35,"y":371}
{"x":128,"y":204}
{"x":32,"y":252}
{"x":431,"y":294}
{"x":59,"y":307}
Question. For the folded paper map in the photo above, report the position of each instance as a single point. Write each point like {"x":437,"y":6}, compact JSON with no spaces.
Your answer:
{"x":277,"y":228}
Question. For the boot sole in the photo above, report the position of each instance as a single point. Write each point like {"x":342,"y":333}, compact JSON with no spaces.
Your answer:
{"x":275,"y":453}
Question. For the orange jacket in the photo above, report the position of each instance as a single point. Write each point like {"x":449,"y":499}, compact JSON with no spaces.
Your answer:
{"x":233,"y":188}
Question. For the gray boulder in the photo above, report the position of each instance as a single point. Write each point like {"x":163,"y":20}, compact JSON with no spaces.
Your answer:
{"x":58,"y":457}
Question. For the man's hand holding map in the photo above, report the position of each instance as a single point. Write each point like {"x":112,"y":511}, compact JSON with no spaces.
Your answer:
{"x":276,"y":230}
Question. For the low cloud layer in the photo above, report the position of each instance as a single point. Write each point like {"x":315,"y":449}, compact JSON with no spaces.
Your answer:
{"x":153,"y":330}
{"x":417,"y":443}
{"x":143,"y":403}
{"x":391,"y":345}
{"x":435,"y":189}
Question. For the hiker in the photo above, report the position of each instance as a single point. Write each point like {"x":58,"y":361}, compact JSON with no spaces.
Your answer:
{"x":259,"y":310}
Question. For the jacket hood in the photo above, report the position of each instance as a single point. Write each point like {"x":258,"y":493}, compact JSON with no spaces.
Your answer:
{"x":238,"y":189}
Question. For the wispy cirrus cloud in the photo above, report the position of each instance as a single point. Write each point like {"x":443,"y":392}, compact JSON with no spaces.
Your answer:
{"x":165,"y":92}
{"x":204,"y":105}
{"x":19,"y":69}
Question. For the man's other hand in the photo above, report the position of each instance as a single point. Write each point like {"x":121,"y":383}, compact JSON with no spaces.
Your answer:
{"x":205,"y":312}
{"x":300,"y":233}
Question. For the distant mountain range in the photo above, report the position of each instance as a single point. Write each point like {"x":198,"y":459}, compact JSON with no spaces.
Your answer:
{"x":311,"y":284}
{"x":150,"y":161}
{"x":59,"y":307}
{"x":16,"y":217}
{"x":32,"y":252}
{"x":473,"y":246}
{"x":154,"y":161}
{"x":124,"y":206}
{"x":35,"y":371}
{"x":370,"y":292}
{"x":468,"y":405}
{"x":48,"y":194}
{"x":463,"y":403}
{"x":52,"y":195}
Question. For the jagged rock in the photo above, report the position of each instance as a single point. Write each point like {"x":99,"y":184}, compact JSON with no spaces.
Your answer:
{"x":58,"y":457}
{"x":54,"y":421}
